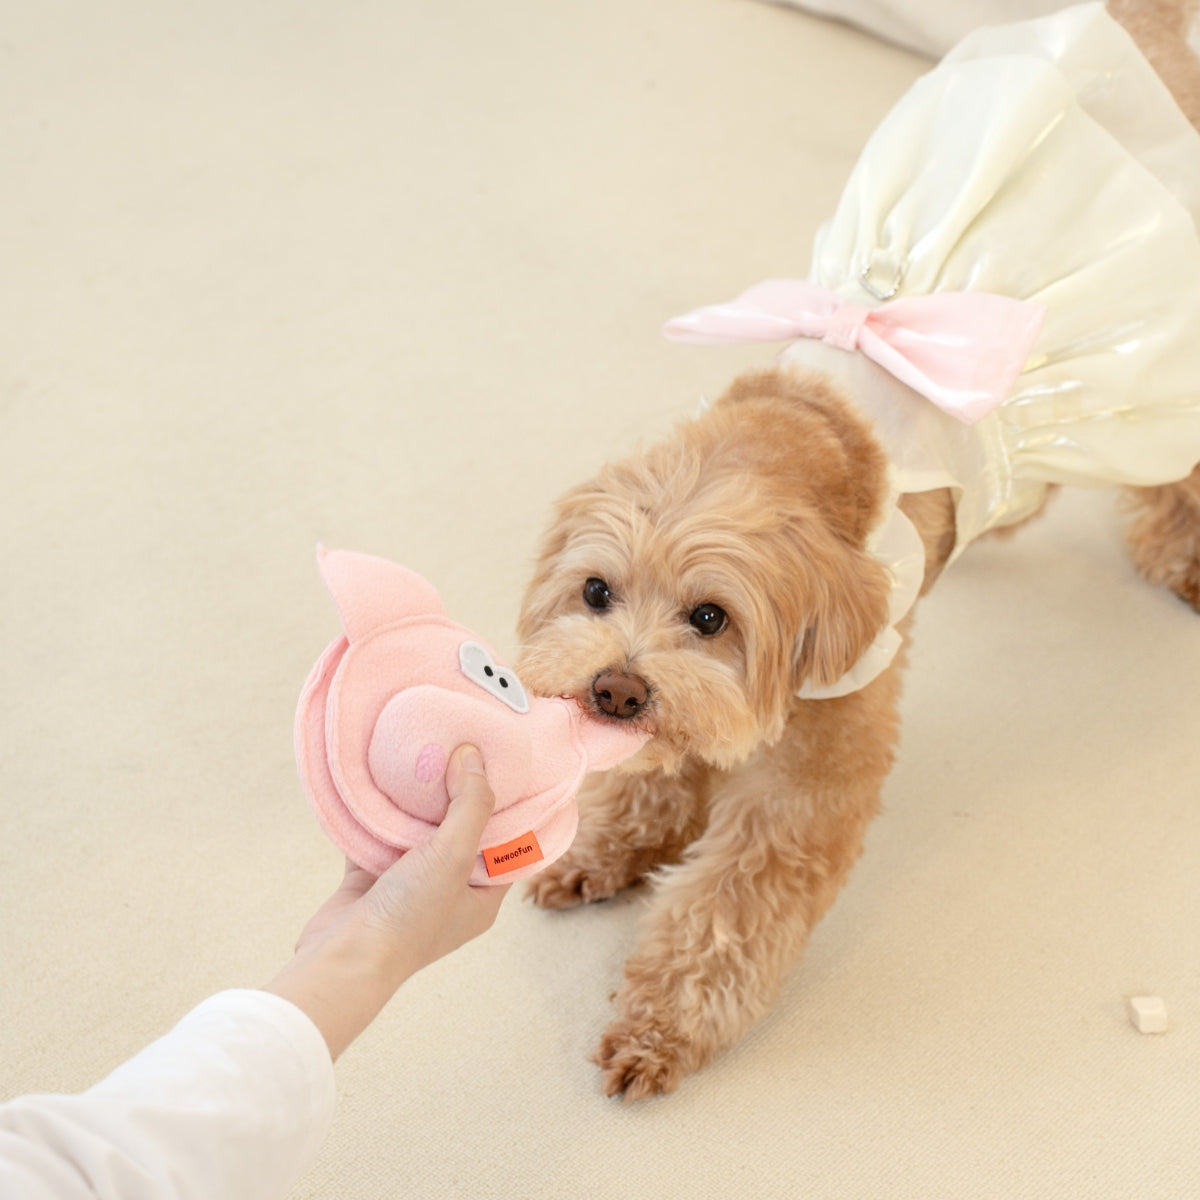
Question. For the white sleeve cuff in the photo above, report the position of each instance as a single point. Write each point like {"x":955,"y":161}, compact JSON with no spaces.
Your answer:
{"x":233,"y":1102}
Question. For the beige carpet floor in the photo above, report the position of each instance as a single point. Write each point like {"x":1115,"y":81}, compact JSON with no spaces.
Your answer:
{"x":390,"y":277}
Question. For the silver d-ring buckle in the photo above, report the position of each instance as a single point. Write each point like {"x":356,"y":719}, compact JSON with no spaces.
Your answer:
{"x":881,"y":276}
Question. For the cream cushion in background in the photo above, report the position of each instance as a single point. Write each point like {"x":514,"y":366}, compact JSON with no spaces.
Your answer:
{"x":927,"y":26}
{"x":391,"y":277}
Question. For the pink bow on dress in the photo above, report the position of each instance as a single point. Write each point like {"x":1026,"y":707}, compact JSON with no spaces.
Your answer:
{"x":962,"y":350}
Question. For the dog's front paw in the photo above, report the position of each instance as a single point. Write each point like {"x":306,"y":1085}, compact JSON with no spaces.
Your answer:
{"x":567,"y":883}
{"x":640,"y":1060}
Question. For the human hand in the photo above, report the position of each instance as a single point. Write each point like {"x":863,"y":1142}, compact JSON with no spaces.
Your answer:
{"x":372,"y":934}
{"x":422,"y":907}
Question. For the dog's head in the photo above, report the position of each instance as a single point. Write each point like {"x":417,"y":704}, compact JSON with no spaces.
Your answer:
{"x":695,"y":588}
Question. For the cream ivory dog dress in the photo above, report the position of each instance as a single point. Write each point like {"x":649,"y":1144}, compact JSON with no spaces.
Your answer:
{"x":1045,"y":163}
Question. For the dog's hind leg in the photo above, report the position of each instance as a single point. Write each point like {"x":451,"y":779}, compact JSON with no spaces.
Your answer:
{"x":1164,"y":535}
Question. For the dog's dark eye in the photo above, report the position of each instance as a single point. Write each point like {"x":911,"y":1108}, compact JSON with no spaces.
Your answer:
{"x":596,"y":594}
{"x":708,"y":620}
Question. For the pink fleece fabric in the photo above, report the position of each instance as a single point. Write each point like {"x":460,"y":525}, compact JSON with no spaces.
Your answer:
{"x":386,"y":705}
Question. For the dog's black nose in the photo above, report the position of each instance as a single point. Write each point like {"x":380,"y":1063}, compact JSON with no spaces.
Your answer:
{"x":620,"y":695}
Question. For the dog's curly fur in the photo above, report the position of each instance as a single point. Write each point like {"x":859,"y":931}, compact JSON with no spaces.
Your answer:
{"x":749,"y":806}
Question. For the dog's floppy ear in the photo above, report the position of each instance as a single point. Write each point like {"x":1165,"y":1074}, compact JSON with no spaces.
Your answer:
{"x":827,"y":474}
{"x":847,"y":608}
{"x":813,"y":611}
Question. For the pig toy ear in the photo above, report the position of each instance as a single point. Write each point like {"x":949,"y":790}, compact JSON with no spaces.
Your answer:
{"x":372,"y":593}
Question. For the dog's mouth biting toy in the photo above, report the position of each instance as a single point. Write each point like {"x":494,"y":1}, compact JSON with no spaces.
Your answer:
{"x":386,"y":705}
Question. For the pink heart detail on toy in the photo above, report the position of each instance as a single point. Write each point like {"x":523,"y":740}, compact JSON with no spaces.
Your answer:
{"x":431,"y":764}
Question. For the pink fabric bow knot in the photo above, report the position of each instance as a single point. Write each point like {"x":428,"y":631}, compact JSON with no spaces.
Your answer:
{"x":961,"y":350}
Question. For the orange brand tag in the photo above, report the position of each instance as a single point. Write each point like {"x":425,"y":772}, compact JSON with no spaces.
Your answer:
{"x":520,"y":852}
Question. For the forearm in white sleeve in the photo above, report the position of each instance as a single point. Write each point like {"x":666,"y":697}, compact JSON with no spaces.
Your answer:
{"x":233,"y":1102}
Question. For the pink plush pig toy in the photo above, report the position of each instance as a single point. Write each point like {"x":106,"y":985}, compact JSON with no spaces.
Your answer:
{"x":386,"y":705}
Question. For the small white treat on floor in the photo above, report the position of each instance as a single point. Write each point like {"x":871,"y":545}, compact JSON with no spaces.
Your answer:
{"x":1148,"y":1013}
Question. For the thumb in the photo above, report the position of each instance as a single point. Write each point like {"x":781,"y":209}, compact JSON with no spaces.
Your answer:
{"x":472,"y":800}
